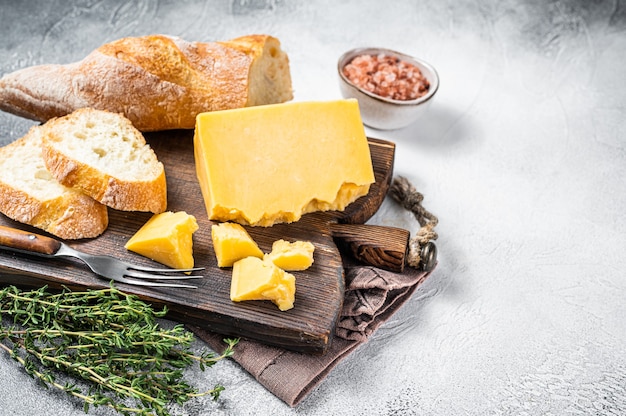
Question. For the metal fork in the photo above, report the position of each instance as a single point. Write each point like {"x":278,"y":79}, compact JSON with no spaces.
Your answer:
{"x":105,"y":266}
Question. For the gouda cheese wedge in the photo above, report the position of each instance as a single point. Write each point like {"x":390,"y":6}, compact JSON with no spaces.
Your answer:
{"x":232,"y":242}
{"x":167,"y":239}
{"x":291,"y":256}
{"x":273,"y":163}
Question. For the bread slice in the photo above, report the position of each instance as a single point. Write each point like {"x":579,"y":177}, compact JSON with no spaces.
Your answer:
{"x":103,"y":155}
{"x":30,"y":195}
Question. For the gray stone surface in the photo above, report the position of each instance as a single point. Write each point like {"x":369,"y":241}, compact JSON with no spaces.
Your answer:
{"x":522,"y":156}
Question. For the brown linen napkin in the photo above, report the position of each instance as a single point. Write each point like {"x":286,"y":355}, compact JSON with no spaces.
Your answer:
{"x":372,"y":296}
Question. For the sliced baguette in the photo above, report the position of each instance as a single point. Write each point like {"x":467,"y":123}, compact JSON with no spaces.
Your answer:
{"x":103,"y":155}
{"x":30,"y":195}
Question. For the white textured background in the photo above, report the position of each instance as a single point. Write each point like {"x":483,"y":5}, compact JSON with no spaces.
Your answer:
{"x":522,"y":156}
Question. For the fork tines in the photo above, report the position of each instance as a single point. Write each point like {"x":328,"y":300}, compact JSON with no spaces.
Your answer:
{"x":141,"y":272}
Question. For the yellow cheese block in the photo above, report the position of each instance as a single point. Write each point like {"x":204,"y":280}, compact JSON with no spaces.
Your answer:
{"x":166,"y":238}
{"x":291,"y":256}
{"x":268,"y":164}
{"x":255,"y":279}
{"x":232,"y":242}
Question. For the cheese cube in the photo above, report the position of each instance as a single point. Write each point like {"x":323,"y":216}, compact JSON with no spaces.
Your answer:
{"x":291,"y":256}
{"x":273,"y":163}
{"x":232,"y":242}
{"x":255,"y":279}
{"x":167,"y":239}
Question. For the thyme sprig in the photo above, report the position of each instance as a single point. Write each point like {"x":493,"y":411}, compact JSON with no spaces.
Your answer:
{"x":108,"y":339}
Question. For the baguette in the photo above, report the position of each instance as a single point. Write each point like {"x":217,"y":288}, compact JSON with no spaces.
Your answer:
{"x":104,"y":156}
{"x":30,"y":195}
{"x":158,"y":82}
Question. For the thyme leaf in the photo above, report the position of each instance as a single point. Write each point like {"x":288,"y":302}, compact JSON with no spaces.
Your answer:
{"x":109,"y":340}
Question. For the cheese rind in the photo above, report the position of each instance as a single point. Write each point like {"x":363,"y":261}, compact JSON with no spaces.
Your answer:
{"x":269,"y":164}
{"x":294,"y":256}
{"x":166,"y":238}
{"x":231,"y":243}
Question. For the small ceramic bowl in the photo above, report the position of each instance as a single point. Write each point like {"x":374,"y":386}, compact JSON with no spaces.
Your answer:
{"x":385,"y":113}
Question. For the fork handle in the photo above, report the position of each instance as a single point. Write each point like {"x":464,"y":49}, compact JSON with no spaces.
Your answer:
{"x":25,"y":241}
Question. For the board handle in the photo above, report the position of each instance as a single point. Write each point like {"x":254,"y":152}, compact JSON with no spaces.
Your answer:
{"x":375,"y":245}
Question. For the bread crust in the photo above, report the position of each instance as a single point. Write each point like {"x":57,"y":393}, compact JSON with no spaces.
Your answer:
{"x":106,"y":189}
{"x":148,"y":194}
{"x":158,"y":82}
{"x":69,"y":215}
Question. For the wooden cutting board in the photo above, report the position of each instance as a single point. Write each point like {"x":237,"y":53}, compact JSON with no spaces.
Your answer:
{"x":319,"y":290}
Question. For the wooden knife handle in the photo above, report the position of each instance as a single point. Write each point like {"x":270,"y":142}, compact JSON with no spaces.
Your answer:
{"x":375,"y":245}
{"x":30,"y":242}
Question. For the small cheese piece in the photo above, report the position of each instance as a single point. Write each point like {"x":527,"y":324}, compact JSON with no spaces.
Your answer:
{"x":166,"y":238}
{"x":273,"y":163}
{"x":284,"y":294}
{"x":232,"y":242}
{"x":255,"y":279}
{"x":294,"y":256}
